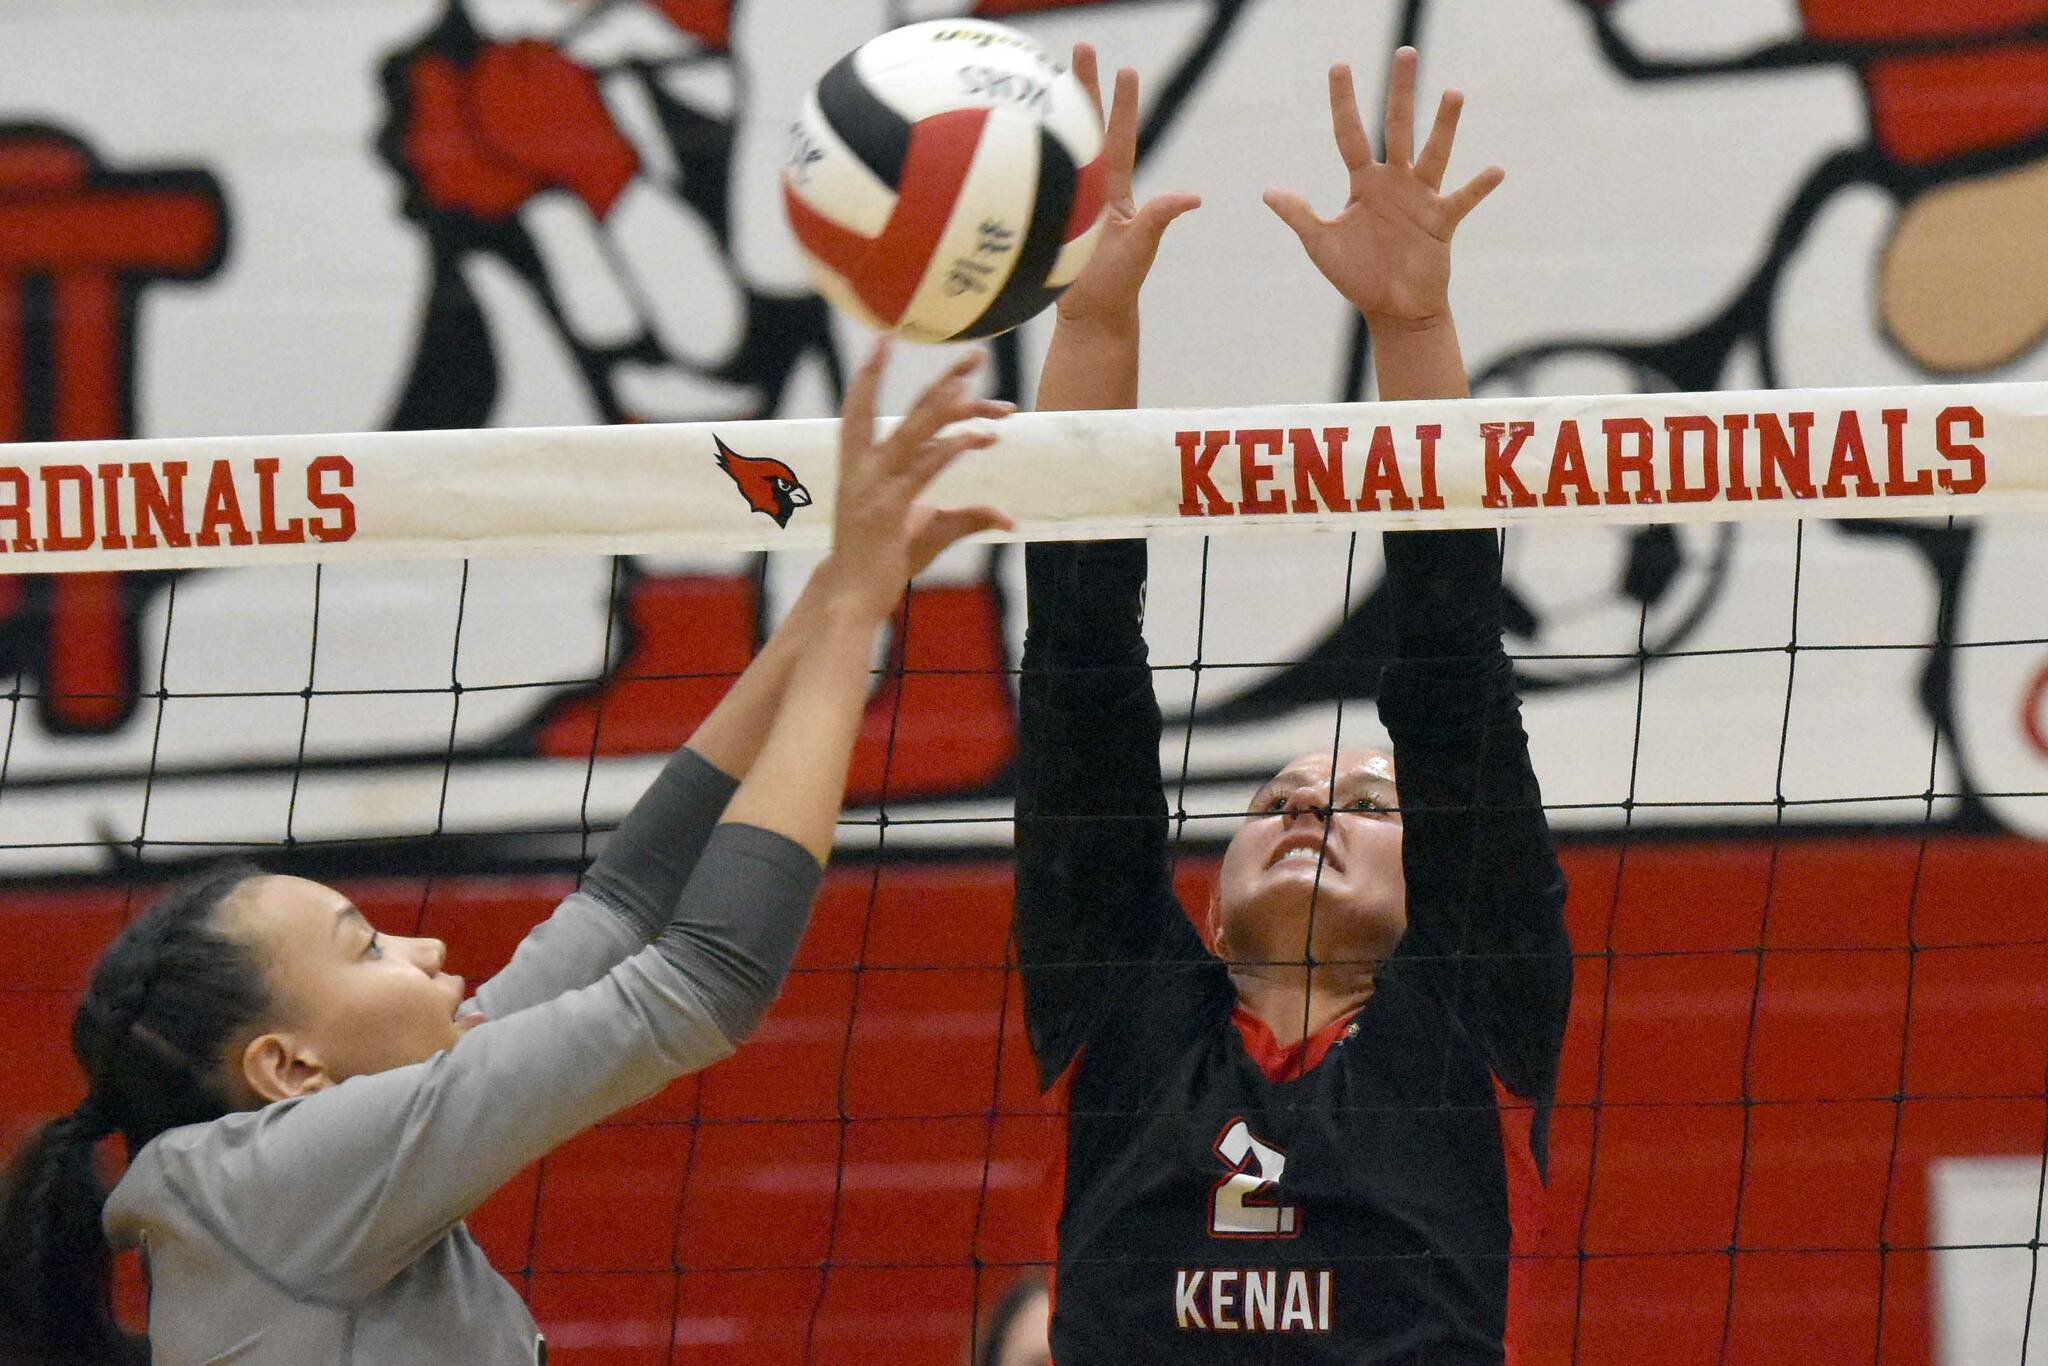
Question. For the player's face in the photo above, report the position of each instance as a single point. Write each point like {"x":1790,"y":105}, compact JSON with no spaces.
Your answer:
{"x":347,"y":1000}
{"x":1319,"y":852}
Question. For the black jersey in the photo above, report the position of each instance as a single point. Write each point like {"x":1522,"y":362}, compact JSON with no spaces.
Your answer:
{"x":1355,"y":1212}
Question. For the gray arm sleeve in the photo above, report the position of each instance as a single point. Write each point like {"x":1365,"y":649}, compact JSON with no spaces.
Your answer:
{"x":750,"y":900}
{"x":648,"y":860}
{"x":336,"y":1193}
{"x":626,"y":897}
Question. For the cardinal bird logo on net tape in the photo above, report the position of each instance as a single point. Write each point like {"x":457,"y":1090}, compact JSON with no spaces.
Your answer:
{"x":768,"y":485}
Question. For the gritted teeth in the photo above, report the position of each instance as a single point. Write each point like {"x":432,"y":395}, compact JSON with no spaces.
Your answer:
{"x":1306,"y":849}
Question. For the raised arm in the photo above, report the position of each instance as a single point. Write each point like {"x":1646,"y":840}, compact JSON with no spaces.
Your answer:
{"x":881,"y":537}
{"x":387,"y":1163}
{"x":1094,"y":890}
{"x":1094,"y":897}
{"x":1092,"y":361}
{"x":1388,"y":251}
{"x":648,"y":860}
{"x":1485,"y":892}
{"x":630,"y":891}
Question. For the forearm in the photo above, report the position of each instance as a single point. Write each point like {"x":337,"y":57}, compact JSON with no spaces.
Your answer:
{"x":1090,"y":365}
{"x":1085,"y":600}
{"x":627,"y":895}
{"x":1480,"y":866}
{"x":1446,"y":592}
{"x":1445,"y":584}
{"x":650,"y":857}
{"x":1485,"y":891}
{"x":1094,"y":888}
{"x":1091,"y":809}
{"x":1476,"y":827}
{"x":730,"y":739}
{"x":1084,"y":637}
{"x":1418,"y":360}
{"x":798,"y":781}
{"x":736,"y":931}
{"x":1090,"y":726}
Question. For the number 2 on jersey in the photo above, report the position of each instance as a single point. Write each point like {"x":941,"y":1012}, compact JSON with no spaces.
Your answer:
{"x":1244,"y":1204}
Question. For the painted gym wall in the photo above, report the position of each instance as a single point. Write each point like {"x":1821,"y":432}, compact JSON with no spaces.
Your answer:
{"x":232,"y":216}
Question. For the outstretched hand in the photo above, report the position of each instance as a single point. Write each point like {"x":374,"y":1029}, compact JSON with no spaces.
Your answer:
{"x":1389,"y":250}
{"x":881,"y":534}
{"x":1106,"y":291}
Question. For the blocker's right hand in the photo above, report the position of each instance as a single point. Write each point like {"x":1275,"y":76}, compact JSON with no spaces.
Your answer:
{"x":1389,"y":250}
{"x":881,"y":534}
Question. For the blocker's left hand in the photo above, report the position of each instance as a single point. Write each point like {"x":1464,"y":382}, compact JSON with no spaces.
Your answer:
{"x":1389,"y":250}
{"x":1106,"y":291}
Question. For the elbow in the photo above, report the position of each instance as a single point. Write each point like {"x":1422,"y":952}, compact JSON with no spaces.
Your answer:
{"x":726,"y":987}
{"x":620,"y":897}
{"x":738,"y":1001}
{"x":741,"y":1017}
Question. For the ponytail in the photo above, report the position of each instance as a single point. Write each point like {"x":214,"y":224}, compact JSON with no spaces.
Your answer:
{"x":166,"y":998}
{"x":56,"y":1295}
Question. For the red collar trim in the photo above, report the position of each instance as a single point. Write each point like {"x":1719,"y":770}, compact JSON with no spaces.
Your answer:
{"x":1279,"y":1064}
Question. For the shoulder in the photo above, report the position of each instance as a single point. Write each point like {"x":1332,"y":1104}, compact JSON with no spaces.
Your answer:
{"x":180,"y":1167}
{"x":1412,"y":984}
{"x":1415,"y":1029}
{"x":231,"y":1132}
{"x":200,"y":1159}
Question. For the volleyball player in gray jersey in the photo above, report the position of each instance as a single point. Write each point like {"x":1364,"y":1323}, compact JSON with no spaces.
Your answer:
{"x":311,"y":1108}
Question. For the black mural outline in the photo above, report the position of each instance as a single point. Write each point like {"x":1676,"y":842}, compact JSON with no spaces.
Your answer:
{"x":453,"y":378}
{"x":1341,"y":665}
{"x":1698,"y":359}
{"x":1345,"y":664}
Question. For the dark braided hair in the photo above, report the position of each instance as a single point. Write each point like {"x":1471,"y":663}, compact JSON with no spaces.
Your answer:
{"x":151,"y":1034}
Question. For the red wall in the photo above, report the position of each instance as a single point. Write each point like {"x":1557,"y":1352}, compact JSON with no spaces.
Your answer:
{"x":882,"y":1123}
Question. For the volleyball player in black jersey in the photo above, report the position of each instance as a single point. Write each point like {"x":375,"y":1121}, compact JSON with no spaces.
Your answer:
{"x":1290,"y":1143}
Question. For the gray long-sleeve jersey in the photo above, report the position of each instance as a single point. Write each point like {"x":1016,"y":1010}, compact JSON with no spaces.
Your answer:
{"x":328,"y":1229}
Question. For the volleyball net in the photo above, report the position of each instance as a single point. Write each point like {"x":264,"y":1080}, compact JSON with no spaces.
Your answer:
{"x":1784,"y":658}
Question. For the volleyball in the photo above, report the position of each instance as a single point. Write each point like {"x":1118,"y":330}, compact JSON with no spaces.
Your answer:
{"x":944,"y":180}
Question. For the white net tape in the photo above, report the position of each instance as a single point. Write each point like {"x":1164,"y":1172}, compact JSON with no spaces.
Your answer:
{"x":726,"y":486}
